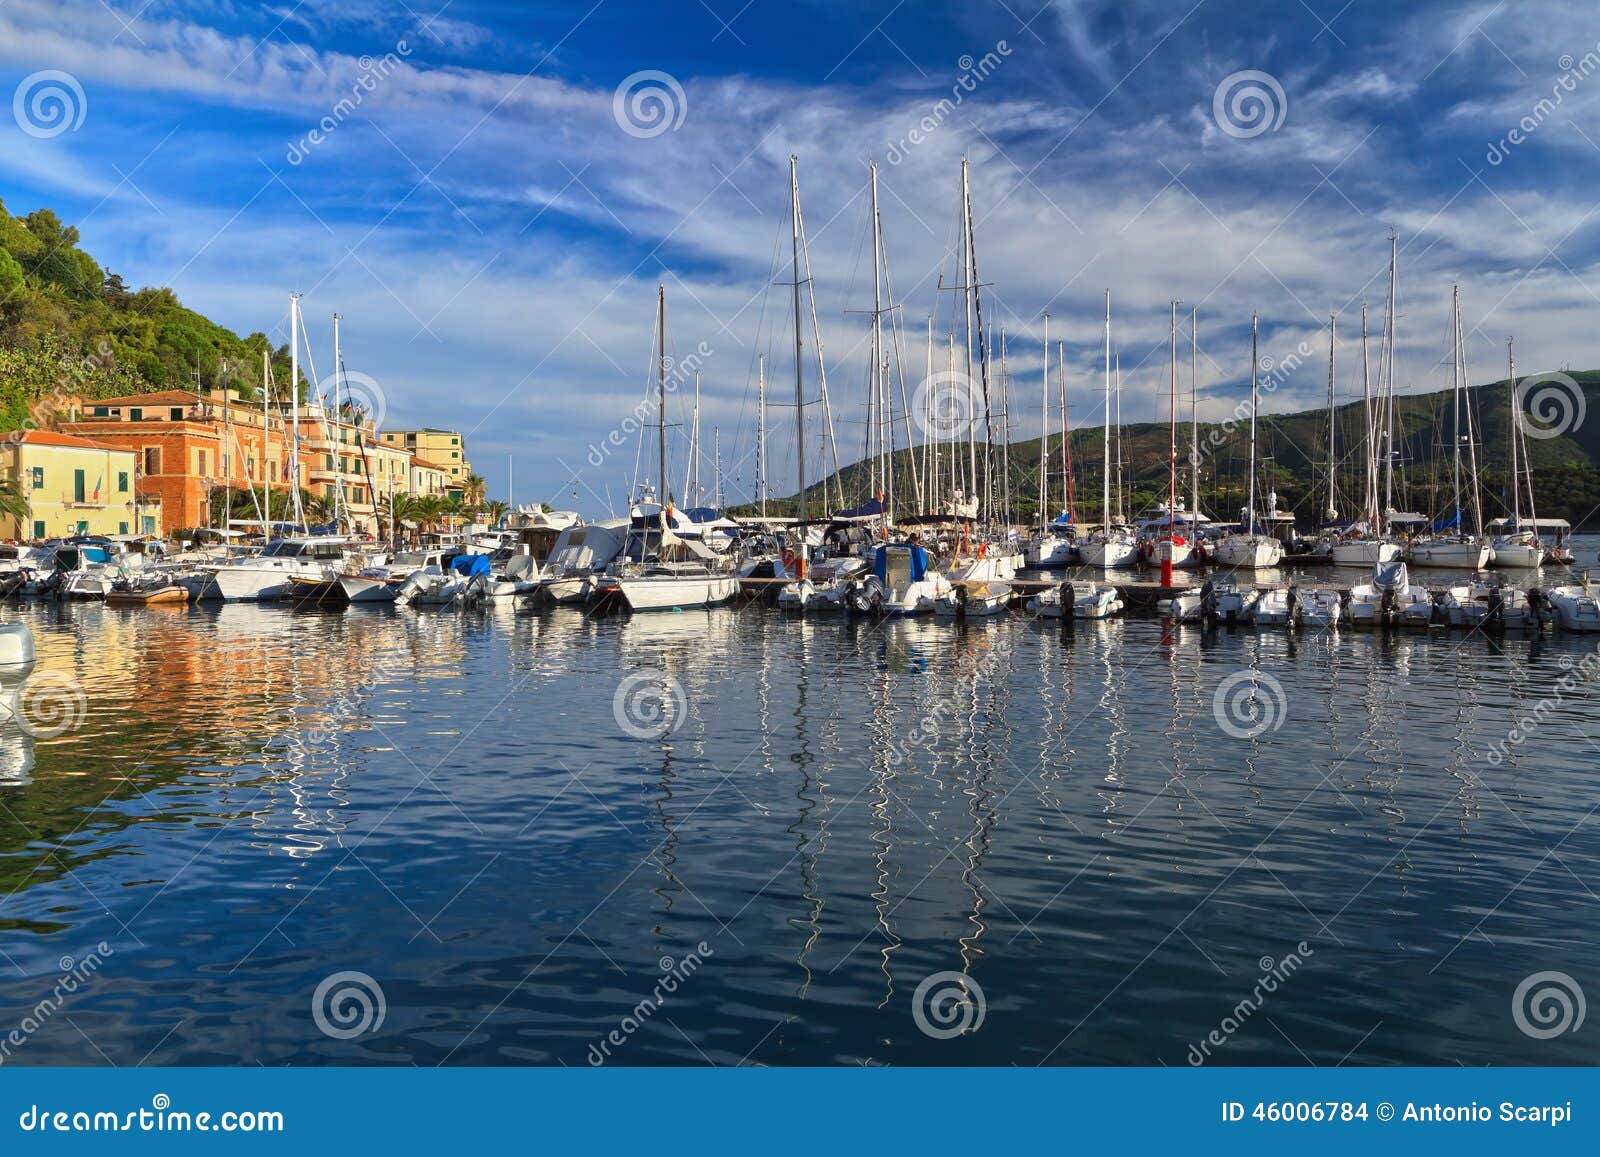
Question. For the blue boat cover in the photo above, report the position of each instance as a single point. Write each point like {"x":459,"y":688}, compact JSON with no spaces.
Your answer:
{"x":1451,"y":523}
{"x":471,"y":565}
{"x":865,"y":510}
{"x":1063,"y":519}
{"x":919,"y":563}
{"x":95,"y":554}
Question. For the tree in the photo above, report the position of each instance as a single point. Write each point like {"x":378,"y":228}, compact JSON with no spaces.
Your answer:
{"x":13,"y":502}
{"x":495,"y":512}
{"x":473,"y":491}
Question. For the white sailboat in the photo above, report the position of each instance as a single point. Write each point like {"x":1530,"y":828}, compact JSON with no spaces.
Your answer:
{"x":1110,"y":546}
{"x":1249,"y":548}
{"x":1458,"y":550}
{"x":673,"y":573}
{"x":1520,"y":546}
{"x":1367,"y":544}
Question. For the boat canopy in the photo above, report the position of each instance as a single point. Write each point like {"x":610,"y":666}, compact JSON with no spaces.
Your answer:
{"x":471,"y":565}
{"x":917,"y":555}
{"x":869,"y":509}
{"x":1503,"y":525}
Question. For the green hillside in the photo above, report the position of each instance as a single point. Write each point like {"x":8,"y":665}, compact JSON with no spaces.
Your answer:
{"x":1293,"y":450}
{"x":70,"y":326}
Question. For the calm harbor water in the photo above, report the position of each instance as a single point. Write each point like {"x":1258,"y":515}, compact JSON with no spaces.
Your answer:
{"x":252,"y":799}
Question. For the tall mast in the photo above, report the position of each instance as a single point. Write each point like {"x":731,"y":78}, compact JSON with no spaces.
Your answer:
{"x":1388,"y":385}
{"x":1369,"y":495}
{"x":1514,"y":431}
{"x":1455,"y":402}
{"x":1172,"y":424}
{"x":1251,"y":509}
{"x":716,"y":467}
{"x":1473,"y":495}
{"x":338,"y":485}
{"x":294,"y":406}
{"x":691,"y":468}
{"x":661,"y":403}
{"x":1005,"y":434}
{"x":1044,"y":429}
{"x":799,"y":395}
{"x":1105,"y":441}
{"x":879,"y":394}
{"x":1066,"y":431}
{"x":761,"y":433}
{"x":266,"y":440}
{"x":966,"y":303}
{"x":1333,"y":461}
{"x":1194,"y":415}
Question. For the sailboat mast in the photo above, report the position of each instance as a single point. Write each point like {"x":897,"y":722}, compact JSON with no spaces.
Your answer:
{"x":1515,"y":436}
{"x":1388,"y":385}
{"x":266,"y":441}
{"x":294,"y":406}
{"x":1455,"y":399}
{"x":761,"y":433}
{"x":1194,"y":415}
{"x":1066,"y":431}
{"x":1172,"y":424}
{"x":1044,"y":428}
{"x":1369,"y":494}
{"x":661,"y":401}
{"x":1255,"y":327}
{"x":876,"y":377}
{"x":1333,"y":460}
{"x":1473,"y":495}
{"x":1105,"y":441}
{"x":338,"y":486}
{"x":799,"y":395}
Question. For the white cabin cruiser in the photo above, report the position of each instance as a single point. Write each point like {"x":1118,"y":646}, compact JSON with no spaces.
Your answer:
{"x":269,"y":574}
{"x":1575,"y":606}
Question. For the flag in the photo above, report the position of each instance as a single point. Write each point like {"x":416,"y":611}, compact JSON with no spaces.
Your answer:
{"x":97,"y":484}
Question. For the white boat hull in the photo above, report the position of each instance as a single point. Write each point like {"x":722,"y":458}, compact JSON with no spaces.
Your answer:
{"x":1249,"y":551}
{"x":1516,"y":556}
{"x":1367,"y":552}
{"x":674,"y":592}
{"x":1575,"y":609}
{"x":1109,"y":553}
{"x":1319,"y":608}
{"x":366,"y":589}
{"x":1458,"y":555}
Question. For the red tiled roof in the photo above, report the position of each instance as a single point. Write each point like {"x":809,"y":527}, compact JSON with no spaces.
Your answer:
{"x":160,"y":398}
{"x":51,"y":438}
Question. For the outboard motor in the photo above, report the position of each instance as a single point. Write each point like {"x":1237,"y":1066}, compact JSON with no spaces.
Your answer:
{"x":1208,"y":601}
{"x":1496,"y":620}
{"x":1294,"y":605}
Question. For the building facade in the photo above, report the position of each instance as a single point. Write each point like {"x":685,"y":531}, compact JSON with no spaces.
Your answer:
{"x":188,"y":446}
{"x":343,"y":449}
{"x":428,"y":478}
{"x":73,"y":486}
{"x":446,"y":448}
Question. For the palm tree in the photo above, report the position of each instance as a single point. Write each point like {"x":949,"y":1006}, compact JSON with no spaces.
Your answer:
{"x":393,"y":509}
{"x":473,"y":491}
{"x":14,"y":504}
{"x":426,"y":510}
{"x":320,"y":510}
{"x":495,"y":512}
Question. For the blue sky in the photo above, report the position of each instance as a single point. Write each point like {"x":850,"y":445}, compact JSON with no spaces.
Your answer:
{"x":493,"y":236}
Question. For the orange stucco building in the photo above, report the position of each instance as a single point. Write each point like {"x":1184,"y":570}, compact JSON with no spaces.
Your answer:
{"x":187,"y":445}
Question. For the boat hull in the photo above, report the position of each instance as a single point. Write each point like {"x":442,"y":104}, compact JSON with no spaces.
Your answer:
{"x":1250,"y":551}
{"x":671,"y":593}
{"x":1367,"y":552}
{"x":1457,"y":555}
{"x":1109,"y":554}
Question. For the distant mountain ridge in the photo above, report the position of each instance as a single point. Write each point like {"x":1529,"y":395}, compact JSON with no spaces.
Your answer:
{"x":1293,"y":460}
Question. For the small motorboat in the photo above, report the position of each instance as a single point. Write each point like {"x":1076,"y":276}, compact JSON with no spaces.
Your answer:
{"x":1274,"y":607}
{"x":1185,"y":606}
{"x":16,"y":644}
{"x":1320,"y":607}
{"x":1575,"y":606}
{"x":974,"y":601}
{"x":145,"y":596}
{"x":1229,"y":603}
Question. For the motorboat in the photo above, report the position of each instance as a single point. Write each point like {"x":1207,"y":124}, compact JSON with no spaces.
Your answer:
{"x":1575,"y":606}
{"x":901,"y":584}
{"x":270,"y":573}
{"x":1275,"y":607}
{"x":1185,"y":606}
{"x":1389,"y":598}
{"x":580,"y":553}
{"x":1320,"y":607}
{"x":973,"y":601}
{"x":1226,"y":602}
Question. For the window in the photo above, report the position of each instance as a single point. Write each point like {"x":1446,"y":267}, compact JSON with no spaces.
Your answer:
{"x":200,"y":457}
{"x":455,"y":441}
{"x":38,"y":529}
{"x":455,"y":454}
{"x":136,"y":414}
{"x":102,"y":411}
{"x":122,"y":528}
{"x":152,"y":460}
{"x":272,"y":469}
{"x":176,"y":413}
{"x":38,"y":477}
{"x":83,"y":527}
{"x":328,"y":458}
{"x":77,"y":486}
{"x":147,"y":524}
{"x":250,"y":467}
{"x":122,"y":484}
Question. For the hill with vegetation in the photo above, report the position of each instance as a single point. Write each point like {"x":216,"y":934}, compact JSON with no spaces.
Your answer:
{"x":1293,"y":455}
{"x":68,"y":326}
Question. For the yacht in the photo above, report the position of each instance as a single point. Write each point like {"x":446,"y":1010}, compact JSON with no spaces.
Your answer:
{"x":1575,"y":606}
{"x":581,"y":553}
{"x":269,"y":574}
{"x":973,"y":601}
{"x":1248,"y":547}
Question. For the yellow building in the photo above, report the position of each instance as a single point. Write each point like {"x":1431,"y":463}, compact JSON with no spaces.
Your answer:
{"x":447,"y":448}
{"x":73,"y":486}
{"x":428,"y":477}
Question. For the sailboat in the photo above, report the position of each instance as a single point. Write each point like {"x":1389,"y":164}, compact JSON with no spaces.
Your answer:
{"x":1171,"y":547}
{"x":1366,"y":543}
{"x":1110,"y":546}
{"x":672,"y":572}
{"x":1249,"y":548}
{"x":1460,"y":550}
{"x":1052,"y":544}
{"x":1518,"y":546}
